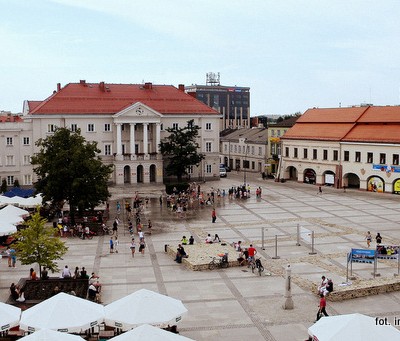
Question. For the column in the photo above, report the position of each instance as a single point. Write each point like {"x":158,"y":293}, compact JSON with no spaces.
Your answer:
{"x":145,"y":139}
{"x":119,"y":139}
{"x":158,"y":136}
{"x":132,"y":138}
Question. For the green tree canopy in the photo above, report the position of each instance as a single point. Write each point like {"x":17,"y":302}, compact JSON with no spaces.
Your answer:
{"x":68,"y":168}
{"x":181,"y":149}
{"x":37,"y":244}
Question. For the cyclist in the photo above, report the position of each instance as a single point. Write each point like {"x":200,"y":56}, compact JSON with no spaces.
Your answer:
{"x":252,"y":252}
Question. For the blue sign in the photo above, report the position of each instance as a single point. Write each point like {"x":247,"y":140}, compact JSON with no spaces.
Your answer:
{"x":362,"y":255}
{"x":387,"y":168}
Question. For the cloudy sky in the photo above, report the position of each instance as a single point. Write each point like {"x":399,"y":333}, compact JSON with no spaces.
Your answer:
{"x":293,"y":54}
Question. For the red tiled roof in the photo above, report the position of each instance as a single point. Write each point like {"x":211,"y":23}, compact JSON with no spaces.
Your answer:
{"x":355,"y":124}
{"x":331,"y":115}
{"x":33,"y":105}
{"x":89,"y":98}
{"x":318,"y":131}
{"x":10,"y":118}
{"x":378,"y":133}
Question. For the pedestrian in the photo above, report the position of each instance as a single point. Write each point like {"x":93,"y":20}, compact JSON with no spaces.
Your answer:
{"x":191,"y":240}
{"x":116,"y":243}
{"x":115,"y":225}
{"x":213,"y":215}
{"x":368,"y":237}
{"x":8,"y":253}
{"x":133,"y":247}
{"x":142,"y":246}
{"x":378,"y":238}
{"x":216,"y":239}
{"x":13,"y":255}
{"x":160,"y":199}
{"x":118,"y":207}
{"x":319,"y":190}
{"x":252,"y":252}
{"x":141,"y":235}
{"x":322,"y":306}
{"x":111,"y":245}
{"x":149,"y":225}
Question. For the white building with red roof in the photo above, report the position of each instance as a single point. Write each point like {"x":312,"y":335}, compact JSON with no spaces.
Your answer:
{"x":355,"y":147}
{"x":128,"y":121}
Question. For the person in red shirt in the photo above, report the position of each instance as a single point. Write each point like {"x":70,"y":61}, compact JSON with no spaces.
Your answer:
{"x":252,"y":252}
{"x":322,"y":306}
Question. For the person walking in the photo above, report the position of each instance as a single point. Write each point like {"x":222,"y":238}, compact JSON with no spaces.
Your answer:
{"x":213,"y":215}
{"x":116,"y":243}
{"x":13,"y":255}
{"x":133,"y":247}
{"x":378,"y":238}
{"x":368,"y":237}
{"x":111,"y":245}
{"x":322,"y":306}
{"x":142,"y":246}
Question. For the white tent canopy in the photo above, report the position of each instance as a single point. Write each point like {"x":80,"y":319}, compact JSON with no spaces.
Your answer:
{"x":149,"y":333}
{"x":63,"y":312}
{"x":50,"y":335}
{"x":31,"y":202}
{"x":144,"y":307}
{"x":9,"y":316}
{"x":355,"y":327}
{"x":7,"y":228}
{"x":12,"y":210}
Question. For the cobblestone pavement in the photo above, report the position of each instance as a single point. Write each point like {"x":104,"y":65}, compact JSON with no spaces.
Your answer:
{"x":233,"y":303}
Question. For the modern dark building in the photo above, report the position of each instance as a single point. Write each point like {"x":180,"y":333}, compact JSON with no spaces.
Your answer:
{"x":233,"y":102}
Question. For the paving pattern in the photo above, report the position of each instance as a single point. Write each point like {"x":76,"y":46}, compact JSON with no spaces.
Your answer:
{"x":233,"y":303}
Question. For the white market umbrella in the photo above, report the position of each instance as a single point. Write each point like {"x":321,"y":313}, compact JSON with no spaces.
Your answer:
{"x":63,"y":312}
{"x":7,"y":228}
{"x":9,"y":316}
{"x":50,"y":335}
{"x":6,"y":200}
{"x":12,"y":210}
{"x":143,"y":307}
{"x":149,"y":333}
{"x":31,"y":202}
{"x":355,"y":327}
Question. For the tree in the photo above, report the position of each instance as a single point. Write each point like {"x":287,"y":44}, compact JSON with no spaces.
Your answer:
{"x":181,"y":149}
{"x":69,"y":169}
{"x":37,"y":244}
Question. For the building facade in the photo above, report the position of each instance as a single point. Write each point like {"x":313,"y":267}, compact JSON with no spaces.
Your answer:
{"x":245,"y":149}
{"x":355,"y":147}
{"x":127,"y":121}
{"x":232,"y":102}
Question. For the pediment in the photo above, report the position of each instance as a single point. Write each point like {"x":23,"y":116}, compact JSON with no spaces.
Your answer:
{"x":137,"y":112}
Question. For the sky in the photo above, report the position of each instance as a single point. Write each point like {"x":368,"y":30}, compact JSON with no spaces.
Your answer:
{"x":293,"y":54}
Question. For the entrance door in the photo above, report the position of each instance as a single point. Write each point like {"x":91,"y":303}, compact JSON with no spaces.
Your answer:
{"x":127,"y":175}
{"x":139,"y":173}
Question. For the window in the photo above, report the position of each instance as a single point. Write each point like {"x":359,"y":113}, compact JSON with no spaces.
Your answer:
{"x":370,"y":157}
{"x":325,"y":154}
{"x":208,"y":126}
{"x":287,"y":151}
{"x":107,"y":127}
{"x":10,"y":180}
{"x":90,"y":127}
{"x":235,"y":148}
{"x":305,"y":153}
{"x":51,"y":128}
{"x":9,"y":141}
{"x":240,"y":149}
{"x":358,"y":157}
{"x":335,"y":155}
{"x":259,"y":151}
{"x":208,"y":169}
{"x":26,"y":141}
{"x":314,"y":154}
{"x":122,"y":127}
{"x":208,"y":147}
{"x":175,"y":126}
{"x":346,"y":155}
{"x":252,"y":150}
{"x":107,"y":149}
{"x":296,"y":153}
{"x":27,"y":159}
{"x":395,"y":159}
{"x":74,"y":127}
{"x":27,"y":179}
{"x":190,"y":170}
{"x":278,"y":133}
{"x":10,"y":160}
{"x":225,"y":147}
{"x":162,"y":126}
{"x":382,"y":158}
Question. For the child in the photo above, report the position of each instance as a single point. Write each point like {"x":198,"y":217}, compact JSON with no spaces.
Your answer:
{"x":111,"y":245}
{"x":116,"y":243}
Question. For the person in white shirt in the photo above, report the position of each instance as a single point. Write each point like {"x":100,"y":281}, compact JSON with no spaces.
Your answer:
{"x":66,"y":273}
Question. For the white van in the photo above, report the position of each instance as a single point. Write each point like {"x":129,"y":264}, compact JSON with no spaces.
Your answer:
{"x":222,"y":172}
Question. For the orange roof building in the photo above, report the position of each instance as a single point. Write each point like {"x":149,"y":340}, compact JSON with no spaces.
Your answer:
{"x":355,"y":147}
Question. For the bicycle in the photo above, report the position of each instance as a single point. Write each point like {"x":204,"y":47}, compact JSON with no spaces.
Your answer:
{"x":221,"y":262}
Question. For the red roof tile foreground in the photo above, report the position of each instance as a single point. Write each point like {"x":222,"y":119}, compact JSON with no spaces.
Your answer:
{"x":355,"y":124}
{"x":11,"y":118}
{"x":95,"y":98}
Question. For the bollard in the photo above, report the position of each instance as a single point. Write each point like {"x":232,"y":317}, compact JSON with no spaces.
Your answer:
{"x":312,"y":244}
{"x":276,"y":248}
{"x":288,"y":304}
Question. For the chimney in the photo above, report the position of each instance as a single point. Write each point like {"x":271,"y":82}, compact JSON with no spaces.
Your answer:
{"x":58,"y":87}
{"x":148,"y":86}
{"x":82,"y":82}
{"x":102,"y":86}
{"x":181,"y":87}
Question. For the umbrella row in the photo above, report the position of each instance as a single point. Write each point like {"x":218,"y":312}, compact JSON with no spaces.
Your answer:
{"x":30,"y":202}
{"x":71,"y":314}
{"x":9,"y":217}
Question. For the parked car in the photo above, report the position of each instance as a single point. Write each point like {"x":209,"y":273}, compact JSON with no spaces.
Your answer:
{"x":227,"y":168}
{"x":222,"y":172}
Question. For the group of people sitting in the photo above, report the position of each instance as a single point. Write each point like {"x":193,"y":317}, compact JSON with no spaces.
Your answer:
{"x":326,"y":286}
{"x":180,"y":253}
{"x":245,"y":254}
{"x":17,"y":293}
{"x":210,"y":240}
{"x":94,"y":291}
